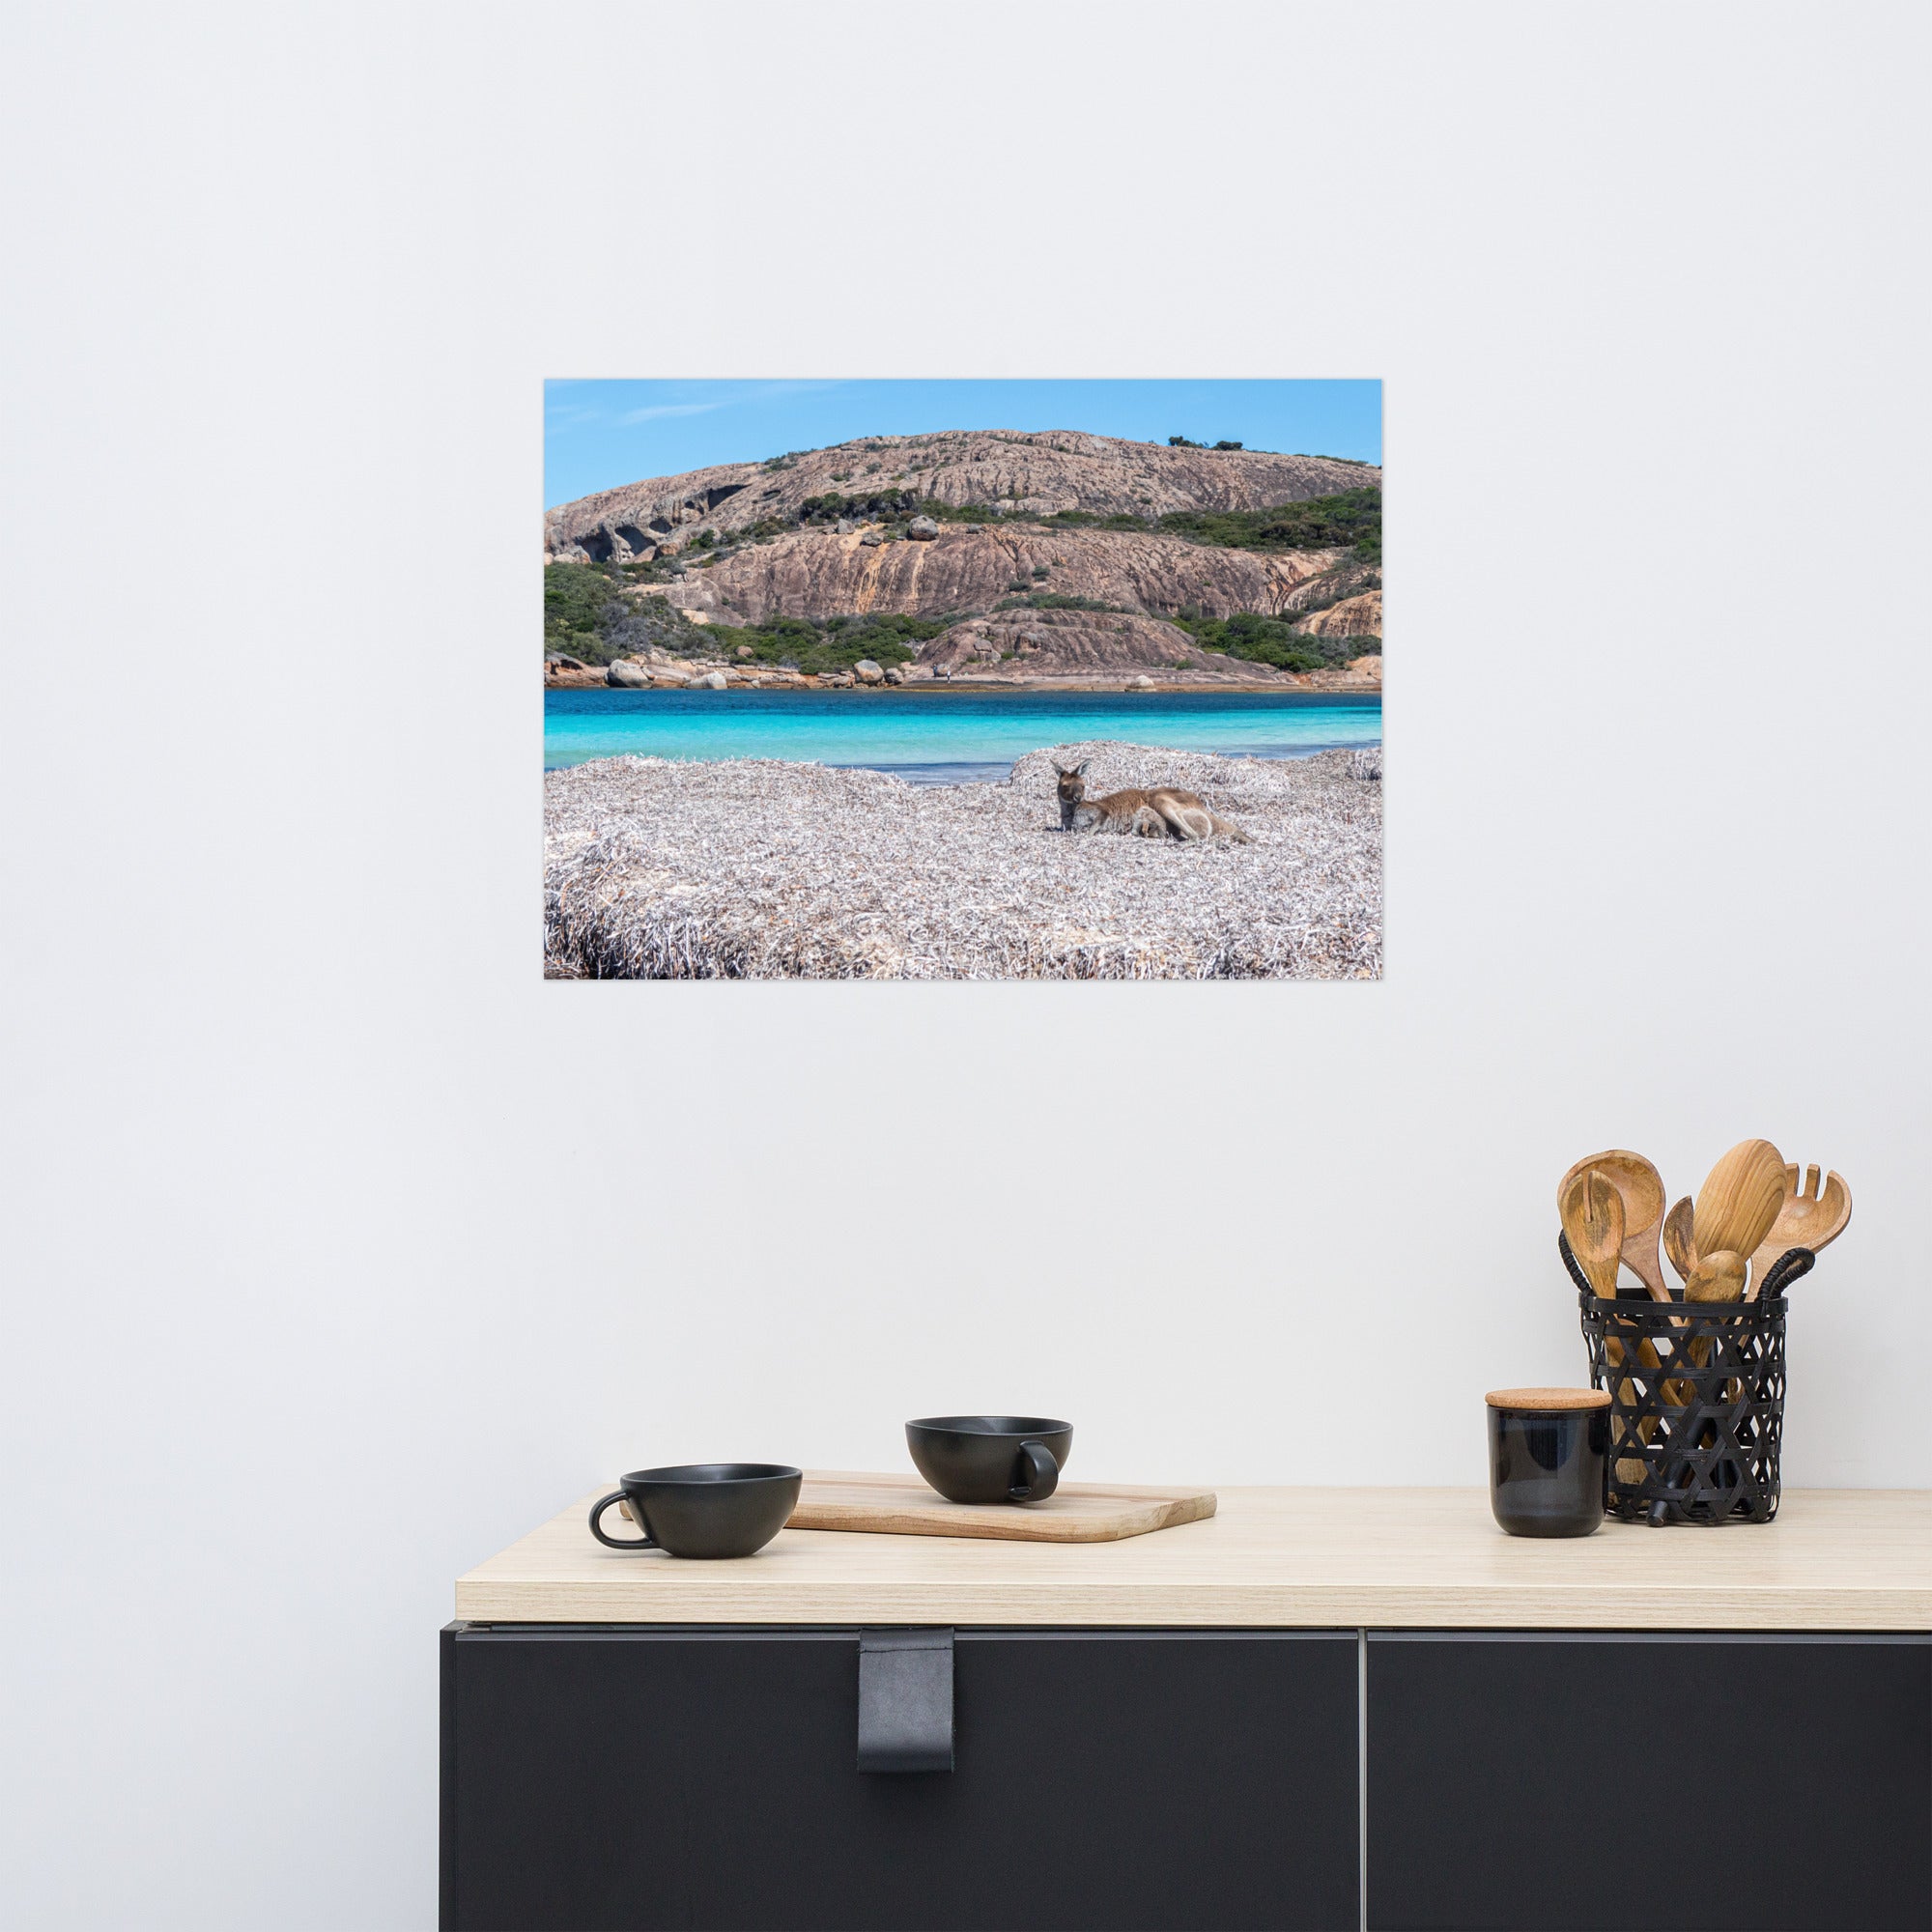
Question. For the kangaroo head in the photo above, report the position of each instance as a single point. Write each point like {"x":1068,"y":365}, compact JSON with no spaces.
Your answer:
{"x":1072,"y":787}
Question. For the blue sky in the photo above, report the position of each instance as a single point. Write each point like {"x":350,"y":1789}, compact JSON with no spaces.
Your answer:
{"x":600,"y":434}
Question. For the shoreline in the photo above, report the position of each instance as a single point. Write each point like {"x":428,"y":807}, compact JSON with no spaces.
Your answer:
{"x":968,"y":771}
{"x":658,"y":671}
{"x":985,"y":687}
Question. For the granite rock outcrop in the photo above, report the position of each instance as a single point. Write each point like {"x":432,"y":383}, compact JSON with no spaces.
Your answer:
{"x":1064,"y":643}
{"x":814,"y":573}
{"x":1353,"y":618}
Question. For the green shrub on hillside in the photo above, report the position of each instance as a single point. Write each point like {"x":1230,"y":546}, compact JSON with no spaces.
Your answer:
{"x":585,"y":616}
{"x":866,"y":506}
{"x":575,"y":597}
{"x":763,"y":531}
{"x":1054,"y":600}
{"x":1115,"y":520}
{"x":575,"y":594}
{"x":1352,"y":520}
{"x":1267,"y":641}
{"x":829,"y":644}
{"x":652,"y":624}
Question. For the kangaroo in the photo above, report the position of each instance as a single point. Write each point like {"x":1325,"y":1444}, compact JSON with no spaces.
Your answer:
{"x":1165,"y":812}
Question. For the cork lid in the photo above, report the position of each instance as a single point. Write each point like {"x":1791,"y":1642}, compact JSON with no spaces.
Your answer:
{"x":1548,"y":1401}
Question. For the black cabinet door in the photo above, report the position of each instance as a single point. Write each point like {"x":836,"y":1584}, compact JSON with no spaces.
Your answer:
{"x":1617,"y":1783}
{"x":596,"y":1779}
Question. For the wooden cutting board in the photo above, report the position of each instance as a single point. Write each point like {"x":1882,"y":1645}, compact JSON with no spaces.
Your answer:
{"x":1076,"y":1513}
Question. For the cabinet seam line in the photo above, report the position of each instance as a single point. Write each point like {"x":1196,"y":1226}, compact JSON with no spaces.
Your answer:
{"x":1362,"y":1777}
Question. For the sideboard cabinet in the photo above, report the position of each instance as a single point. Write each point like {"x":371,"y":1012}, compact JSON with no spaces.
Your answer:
{"x":858,"y":1733}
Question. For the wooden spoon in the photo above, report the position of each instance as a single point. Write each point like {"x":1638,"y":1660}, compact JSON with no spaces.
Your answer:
{"x":1716,"y":1277}
{"x":1680,"y":1241}
{"x":1809,"y":1218}
{"x":1739,"y":1200}
{"x":1641,"y":1188}
{"x":1593,"y":1218}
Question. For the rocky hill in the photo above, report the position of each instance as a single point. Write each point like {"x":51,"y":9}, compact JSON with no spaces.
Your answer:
{"x":972,"y":567}
{"x":1046,"y":555}
{"x":1022,"y":472}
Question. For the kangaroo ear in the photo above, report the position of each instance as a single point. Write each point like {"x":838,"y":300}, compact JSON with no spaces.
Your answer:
{"x":1059,"y":767}
{"x":1080,"y":769}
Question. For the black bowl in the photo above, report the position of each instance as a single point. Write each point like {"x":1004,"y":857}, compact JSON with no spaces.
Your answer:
{"x":990,"y":1459}
{"x":703,"y":1509}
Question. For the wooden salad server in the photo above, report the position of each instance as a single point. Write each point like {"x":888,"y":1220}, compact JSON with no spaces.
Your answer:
{"x":1641,"y":1188}
{"x":1592,"y":1212}
{"x":1739,"y":1200}
{"x":1809,"y":1216}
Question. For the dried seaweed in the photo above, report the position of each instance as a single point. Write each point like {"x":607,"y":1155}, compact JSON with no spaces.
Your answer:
{"x":754,"y":868}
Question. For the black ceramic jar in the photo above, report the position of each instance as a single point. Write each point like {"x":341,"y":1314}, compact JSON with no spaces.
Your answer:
{"x":1548,"y":1458}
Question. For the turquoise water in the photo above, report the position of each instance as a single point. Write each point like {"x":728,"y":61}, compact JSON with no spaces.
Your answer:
{"x":941,"y":738}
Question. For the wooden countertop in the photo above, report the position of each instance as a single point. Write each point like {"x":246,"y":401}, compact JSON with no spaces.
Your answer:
{"x":1834,"y":1560}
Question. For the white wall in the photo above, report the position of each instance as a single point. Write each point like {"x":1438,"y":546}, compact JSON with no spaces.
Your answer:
{"x":340,"y":1249}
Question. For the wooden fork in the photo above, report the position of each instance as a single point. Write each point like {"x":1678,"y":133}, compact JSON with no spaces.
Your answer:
{"x":1809,"y":1216}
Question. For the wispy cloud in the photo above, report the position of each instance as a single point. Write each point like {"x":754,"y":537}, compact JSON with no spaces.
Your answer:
{"x":670,"y":409}
{"x":564,"y":411}
{"x":793,"y":388}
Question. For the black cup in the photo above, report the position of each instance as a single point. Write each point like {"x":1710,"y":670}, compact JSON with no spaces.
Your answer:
{"x":703,"y":1509}
{"x":1549,"y":1459}
{"x":990,"y":1459}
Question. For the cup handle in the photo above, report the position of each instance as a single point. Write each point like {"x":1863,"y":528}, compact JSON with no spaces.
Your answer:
{"x":1041,"y":1477}
{"x":597,"y":1510}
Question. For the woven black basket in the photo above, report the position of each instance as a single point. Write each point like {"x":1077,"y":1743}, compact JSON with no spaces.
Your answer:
{"x":1697,"y":1399}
